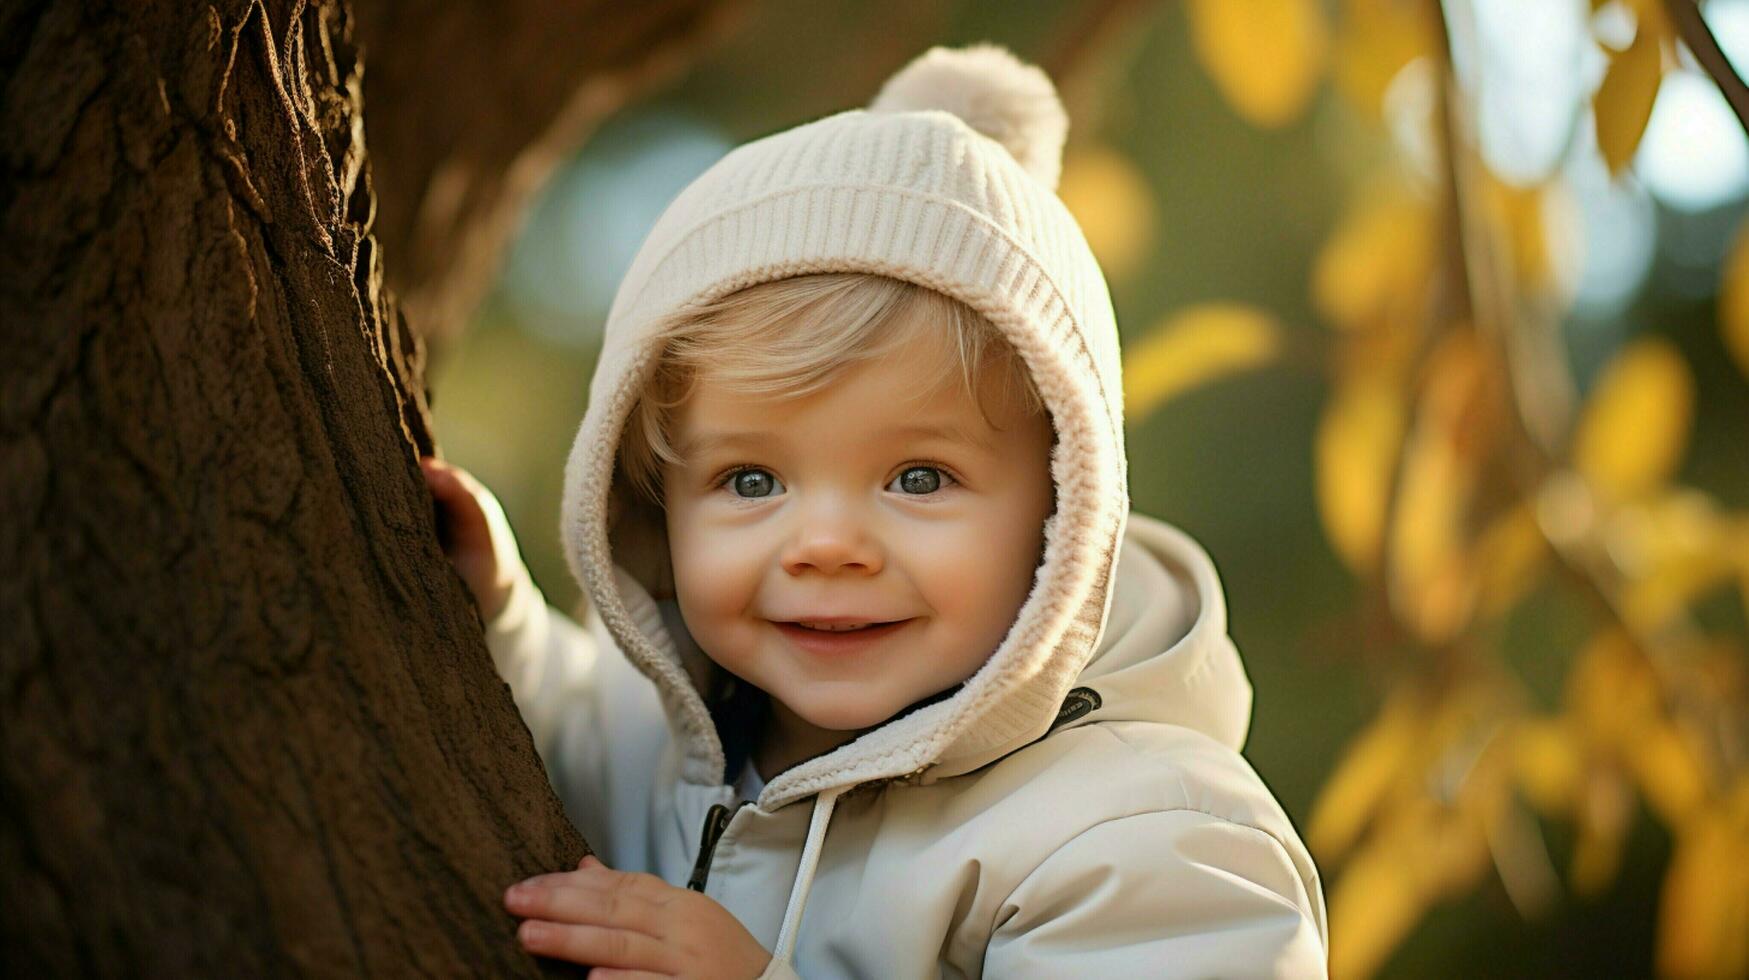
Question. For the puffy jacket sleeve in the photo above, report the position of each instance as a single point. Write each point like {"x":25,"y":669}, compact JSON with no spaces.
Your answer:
{"x":545,"y":657}
{"x":562,"y":678}
{"x":1175,"y":893}
{"x":597,"y":722}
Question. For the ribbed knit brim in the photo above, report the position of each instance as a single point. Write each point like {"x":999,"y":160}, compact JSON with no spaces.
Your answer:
{"x":918,"y":196}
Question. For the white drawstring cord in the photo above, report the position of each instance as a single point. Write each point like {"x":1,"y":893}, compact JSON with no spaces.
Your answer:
{"x":798,"y":896}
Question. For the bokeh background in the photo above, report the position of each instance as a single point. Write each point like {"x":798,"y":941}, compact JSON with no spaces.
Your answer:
{"x":1435,"y":332}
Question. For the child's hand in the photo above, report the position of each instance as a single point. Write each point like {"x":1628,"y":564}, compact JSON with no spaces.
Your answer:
{"x":475,"y":534}
{"x":632,"y":924}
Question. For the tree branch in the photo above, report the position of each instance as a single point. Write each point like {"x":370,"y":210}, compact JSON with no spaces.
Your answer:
{"x":1685,"y":14}
{"x":474,"y":106}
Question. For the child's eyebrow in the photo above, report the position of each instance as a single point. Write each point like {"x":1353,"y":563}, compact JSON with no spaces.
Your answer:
{"x":704,"y":442}
{"x":946,"y":433}
{"x":709,"y":441}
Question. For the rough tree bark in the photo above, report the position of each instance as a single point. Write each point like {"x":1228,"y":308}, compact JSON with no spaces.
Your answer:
{"x":247,"y":722}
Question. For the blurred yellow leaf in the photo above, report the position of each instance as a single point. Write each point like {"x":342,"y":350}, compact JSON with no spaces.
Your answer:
{"x":1373,"y":906}
{"x":1373,"y":270}
{"x":1432,"y":590}
{"x":1521,"y":859}
{"x":1717,"y":671}
{"x":1519,"y":214}
{"x":1509,"y":558}
{"x":1266,"y":56}
{"x":1623,"y":102}
{"x":1372,"y":760}
{"x":1423,"y":780}
{"x":1113,"y":204}
{"x":1605,"y":808}
{"x":1734,"y":299}
{"x":1548,"y":765}
{"x":1462,"y":852}
{"x":1737,"y":804}
{"x":1566,"y":509}
{"x":1669,"y":770}
{"x":1433,"y":582}
{"x":1193,"y":347}
{"x":1424,"y":852}
{"x":1703,"y":918}
{"x":1671,"y":549}
{"x":1611,"y":692}
{"x":1375,"y":40}
{"x":1635,"y":426}
{"x":1457,"y":856}
{"x":1652,"y":18}
{"x":1355,"y":455}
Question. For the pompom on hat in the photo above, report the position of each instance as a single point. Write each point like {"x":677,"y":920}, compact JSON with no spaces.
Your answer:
{"x":995,"y":93}
{"x":948,"y":181}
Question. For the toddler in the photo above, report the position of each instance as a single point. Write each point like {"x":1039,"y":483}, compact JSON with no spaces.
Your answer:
{"x":879,"y":676}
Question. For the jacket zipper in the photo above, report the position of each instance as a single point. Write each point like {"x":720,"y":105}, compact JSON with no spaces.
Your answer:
{"x":716,"y":820}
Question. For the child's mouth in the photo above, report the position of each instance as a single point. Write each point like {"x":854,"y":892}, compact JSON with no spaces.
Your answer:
{"x":836,"y":637}
{"x":837,"y":627}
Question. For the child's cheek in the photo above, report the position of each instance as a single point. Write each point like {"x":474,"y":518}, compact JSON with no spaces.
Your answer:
{"x":711,"y":562}
{"x":977,"y":572}
{"x":716,"y":577}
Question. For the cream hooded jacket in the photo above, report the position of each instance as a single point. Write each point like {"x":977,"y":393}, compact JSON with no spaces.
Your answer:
{"x":1130,"y":841}
{"x":1078,"y":806}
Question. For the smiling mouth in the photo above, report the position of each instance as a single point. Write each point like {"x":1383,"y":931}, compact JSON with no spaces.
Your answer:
{"x":841,"y":627}
{"x":842,"y":637}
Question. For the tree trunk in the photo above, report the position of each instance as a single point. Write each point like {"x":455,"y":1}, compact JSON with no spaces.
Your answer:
{"x":248,"y":725}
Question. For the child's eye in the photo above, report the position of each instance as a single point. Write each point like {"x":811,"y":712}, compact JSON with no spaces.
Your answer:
{"x":920,"y":480}
{"x":753,"y":483}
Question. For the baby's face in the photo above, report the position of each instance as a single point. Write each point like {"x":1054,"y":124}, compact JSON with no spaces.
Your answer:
{"x":865,"y":503}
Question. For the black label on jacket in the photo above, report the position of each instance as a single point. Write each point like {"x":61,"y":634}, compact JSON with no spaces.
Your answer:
{"x":1079,"y":702}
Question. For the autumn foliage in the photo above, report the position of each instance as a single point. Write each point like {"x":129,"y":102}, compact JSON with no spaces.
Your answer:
{"x":1460,"y":476}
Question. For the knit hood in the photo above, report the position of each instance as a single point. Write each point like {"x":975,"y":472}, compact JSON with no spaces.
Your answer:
{"x":910,"y":190}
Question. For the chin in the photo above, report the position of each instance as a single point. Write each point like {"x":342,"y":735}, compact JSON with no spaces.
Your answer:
{"x":847,"y":718}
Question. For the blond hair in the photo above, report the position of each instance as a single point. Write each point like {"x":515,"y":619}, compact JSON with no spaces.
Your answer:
{"x":792,"y":337}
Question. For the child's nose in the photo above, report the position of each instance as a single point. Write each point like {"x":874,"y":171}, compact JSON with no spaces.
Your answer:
{"x":831,"y":540}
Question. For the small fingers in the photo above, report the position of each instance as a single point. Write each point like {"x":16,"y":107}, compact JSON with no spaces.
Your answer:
{"x":644,"y":886}
{"x":575,"y":903}
{"x":593,"y":945}
{"x":465,"y":532}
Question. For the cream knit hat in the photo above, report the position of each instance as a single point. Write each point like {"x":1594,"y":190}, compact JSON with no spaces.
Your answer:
{"x":947,"y":180}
